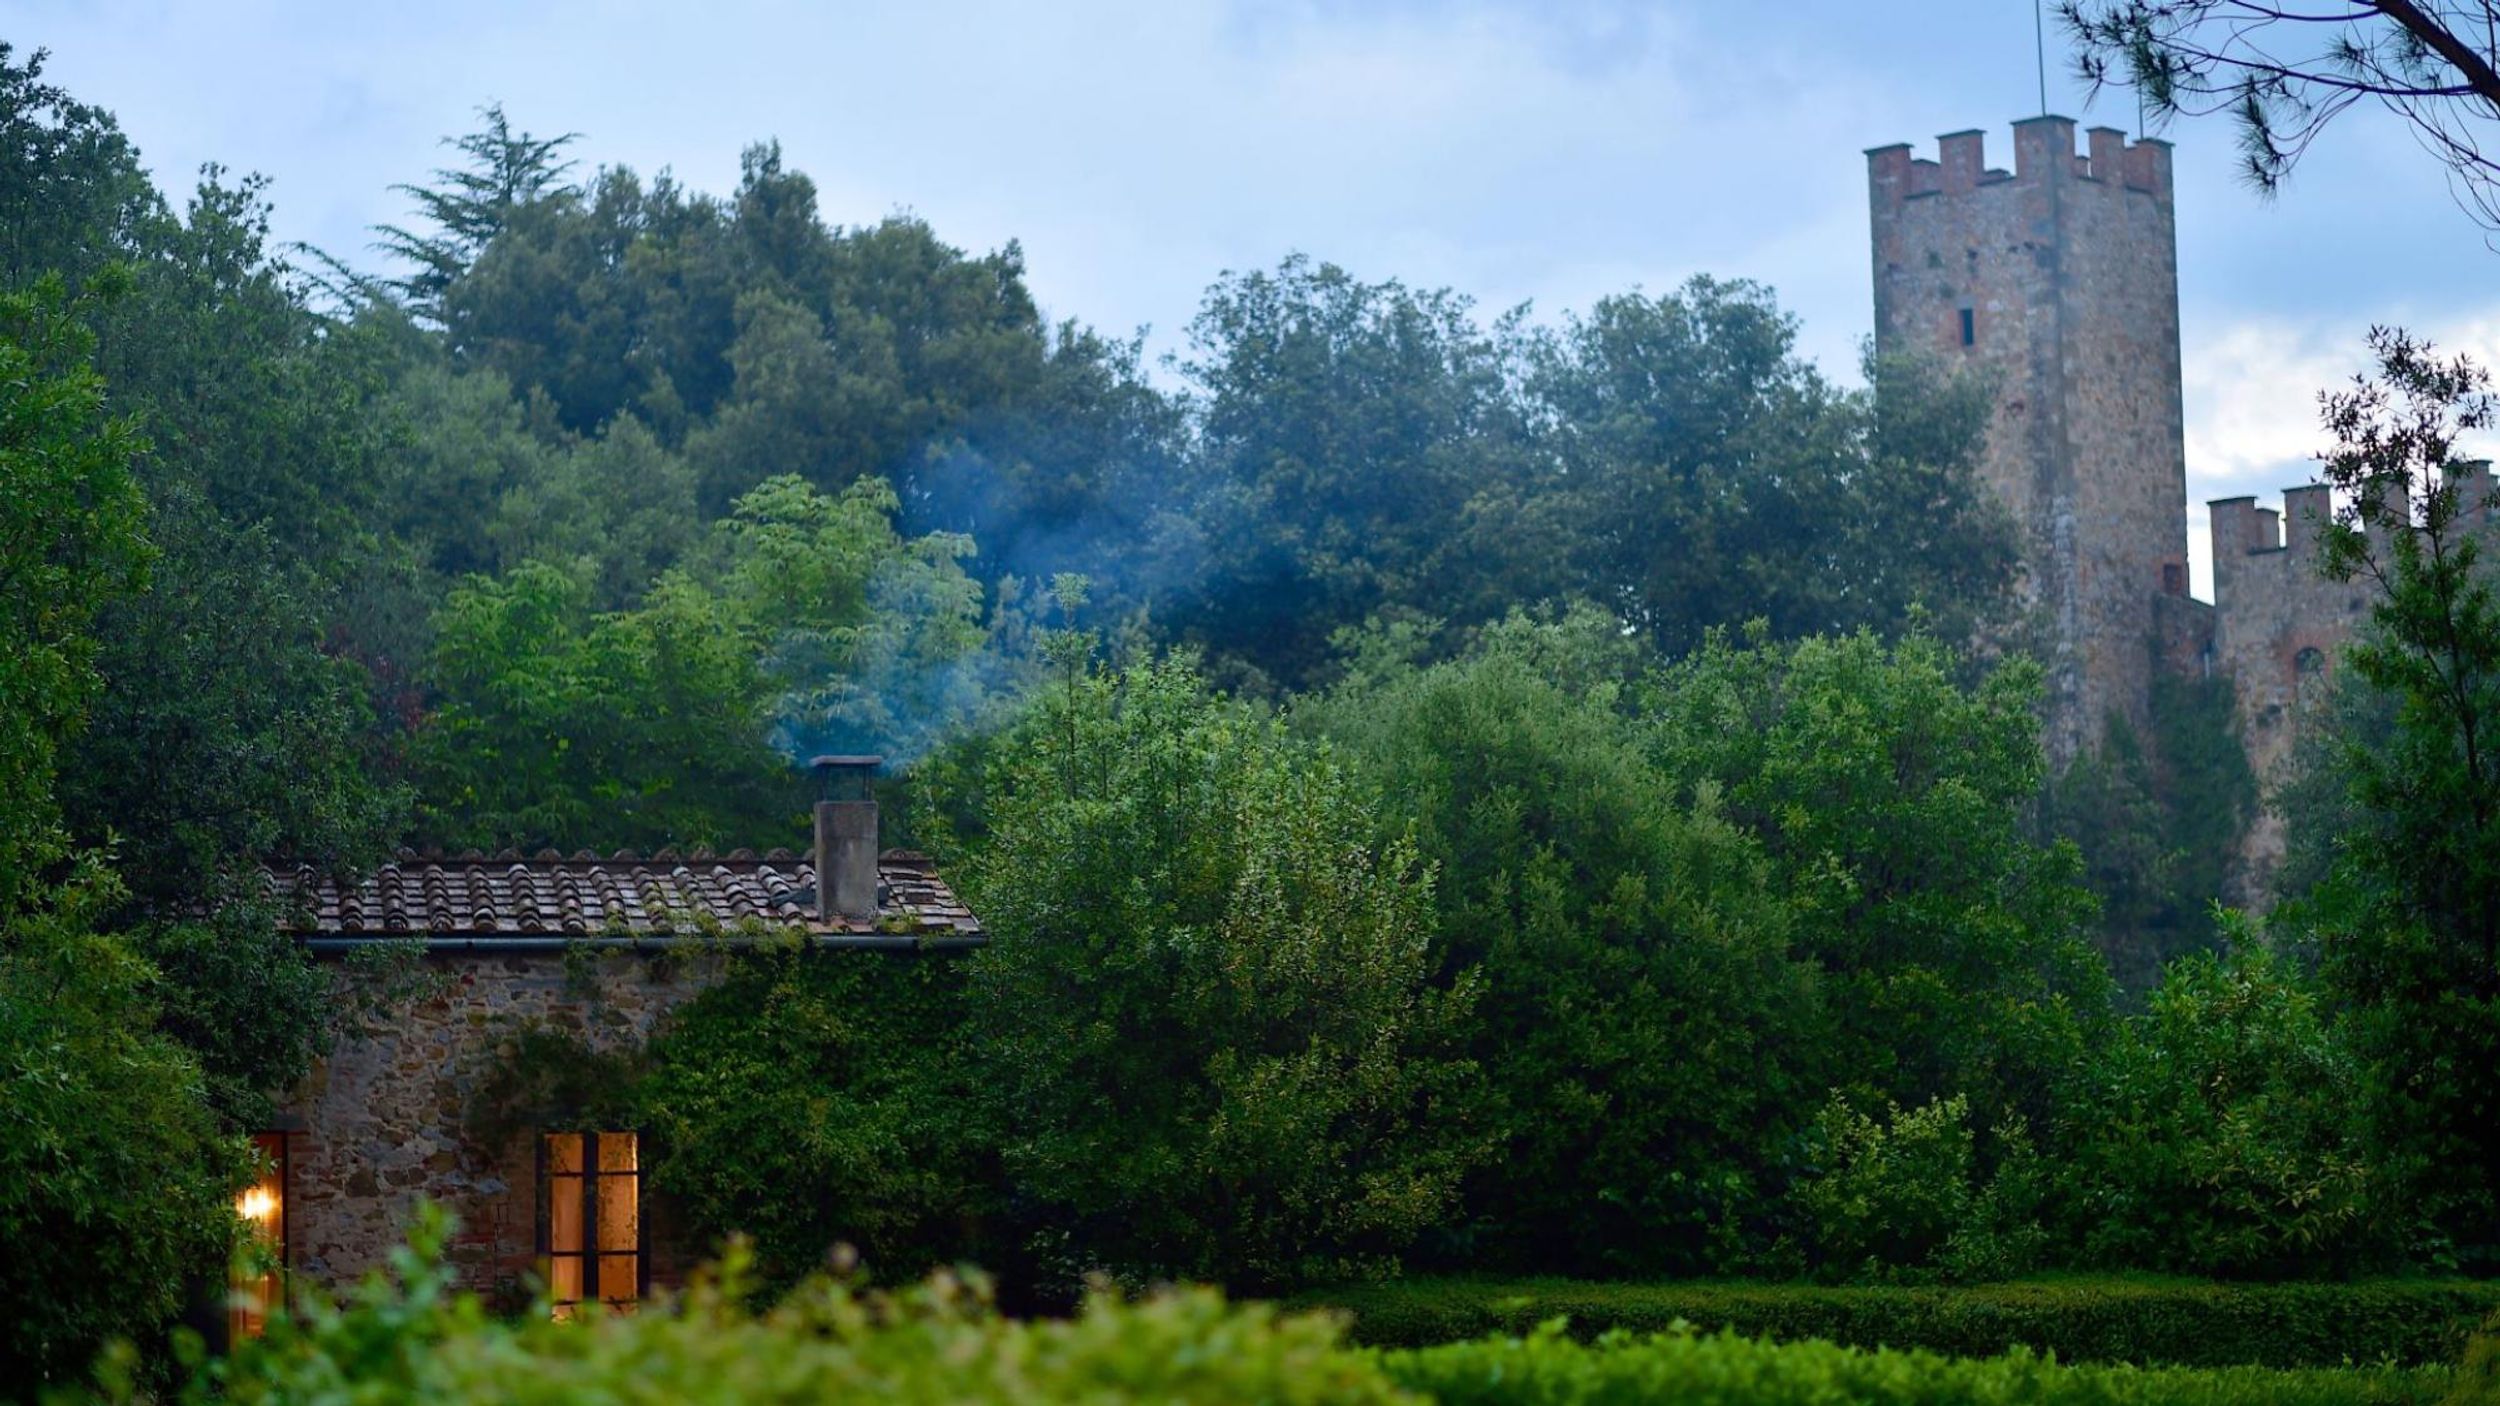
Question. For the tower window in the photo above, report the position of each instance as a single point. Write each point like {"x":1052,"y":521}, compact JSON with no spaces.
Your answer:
{"x":590,"y":1224}
{"x":1970,"y":330}
{"x":2308,"y":676}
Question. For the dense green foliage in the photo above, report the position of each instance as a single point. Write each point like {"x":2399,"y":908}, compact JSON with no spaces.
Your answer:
{"x":2406,"y":921}
{"x":1369,"y":450}
{"x":113,"y":1170}
{"x":70,"y":541}
{"x":230,"y":724}
{"x":1890,"y":799}
{"x":1698,"y":475}
{"x":817,"y":628}
{"x":2158,"y":820}
{"x":1204,"y":1031}
{"x":1534,"y":812}
{"x":115,"y":1178}
{"x":2227,"y":1132}
{"x":415,"y":1340}
{"x":2087,"y":1319}
{"x":812,"y":1099}
{"x":1901,"y":1193}
{"x":1643,"y":1024}
{"x":1702,"y":898}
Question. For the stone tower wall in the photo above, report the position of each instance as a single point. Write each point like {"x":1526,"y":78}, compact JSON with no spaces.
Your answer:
{"x":2060,"y":280}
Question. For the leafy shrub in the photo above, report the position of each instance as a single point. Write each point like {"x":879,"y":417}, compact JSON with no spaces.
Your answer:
{"x":1205,"y":1031}
{"x":2478,"y":1377}
{"x":1904,"y":1192}
{"x":409,"y":1339}
{"x":1891,"y":799}
{"x":2226,"y":1131}
{"x":2146,"y":1322}
{"x":414,"y":1341}
{"x":1546,"y":1367}
{"x":115,"y":1179}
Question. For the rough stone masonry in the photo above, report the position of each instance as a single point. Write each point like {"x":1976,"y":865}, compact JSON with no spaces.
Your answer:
{"x":2059,"y":281}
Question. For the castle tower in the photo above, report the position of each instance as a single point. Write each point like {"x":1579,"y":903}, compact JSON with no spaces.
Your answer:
{"x":2059,"y":280}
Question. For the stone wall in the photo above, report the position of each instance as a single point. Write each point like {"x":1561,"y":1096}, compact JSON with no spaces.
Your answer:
{"x":2058,"y":279}
{"x":2278,"y":624}
{"x":389,"y":1115}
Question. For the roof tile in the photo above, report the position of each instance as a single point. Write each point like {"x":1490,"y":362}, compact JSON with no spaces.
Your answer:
{"x":473,"y":895}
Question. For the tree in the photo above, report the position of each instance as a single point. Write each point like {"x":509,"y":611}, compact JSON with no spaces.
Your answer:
{"x":561,"y":726}
{"x":2286,"y":69}
{"x":113,"y":1171}
{"x":1342,"y":429}
{"x":72,"y":197}
{"x":1891,"y":800}
{"x":2157,"y":819}
{"x":811,"y":625}
{"x":469,"y":205}
{"x":1702,"y":474}
{"x":116,"y":1180}
{"x":2408,"y":920}
{"x":70,"y":541}
{"x":1650,"y":1041}
{"x":228,"y":726}
{"x":1206,"y":1030}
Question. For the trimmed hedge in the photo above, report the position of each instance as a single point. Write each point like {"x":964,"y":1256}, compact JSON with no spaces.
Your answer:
{"x":408,"y":1340}
{"x":1546,"y":1369}
{"x":2141,"y":1321}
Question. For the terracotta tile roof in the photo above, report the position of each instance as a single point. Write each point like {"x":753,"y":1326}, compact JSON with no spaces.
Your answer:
{"x":544,"y":895}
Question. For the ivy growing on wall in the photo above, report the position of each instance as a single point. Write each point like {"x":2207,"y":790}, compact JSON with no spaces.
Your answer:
{"x":2159,"y":821}
{"x":542,"y":1076}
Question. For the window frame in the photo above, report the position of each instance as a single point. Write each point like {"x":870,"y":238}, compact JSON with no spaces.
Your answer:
{"x":242,"y":1323}
{"x":593,"y":1182}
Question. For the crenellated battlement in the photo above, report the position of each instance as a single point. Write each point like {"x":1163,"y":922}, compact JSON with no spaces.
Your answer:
{"x":2249,"y":538}
{"x":2044,"y":151}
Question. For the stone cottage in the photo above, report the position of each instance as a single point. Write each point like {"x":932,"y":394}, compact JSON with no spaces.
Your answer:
{"x":451,"y":968}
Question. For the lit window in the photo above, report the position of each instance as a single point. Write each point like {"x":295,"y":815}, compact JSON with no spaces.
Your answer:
{"x":590,"y":1222}
{"x":253,"y":1286}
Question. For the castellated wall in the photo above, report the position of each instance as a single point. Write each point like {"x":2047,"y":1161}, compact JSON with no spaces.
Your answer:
{"x":2279,"y":622}
{"x":2060,"y":280}
{"x":383,"y":1119}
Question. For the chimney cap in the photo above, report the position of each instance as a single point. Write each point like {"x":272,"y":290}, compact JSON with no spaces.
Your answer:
{"x":846,"y":760}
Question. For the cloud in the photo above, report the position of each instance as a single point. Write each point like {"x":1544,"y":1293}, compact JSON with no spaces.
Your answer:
{"x":2252,"y":387}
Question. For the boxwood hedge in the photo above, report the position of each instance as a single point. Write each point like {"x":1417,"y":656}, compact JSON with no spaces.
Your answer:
{"x":1685,"y":1369}
{"x":2141,"y":1321}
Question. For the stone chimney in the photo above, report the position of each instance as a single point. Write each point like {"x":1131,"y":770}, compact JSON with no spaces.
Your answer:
{"x":846,"y":838}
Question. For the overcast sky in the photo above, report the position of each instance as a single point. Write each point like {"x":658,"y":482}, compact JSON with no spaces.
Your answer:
{"x":1518,"y":150}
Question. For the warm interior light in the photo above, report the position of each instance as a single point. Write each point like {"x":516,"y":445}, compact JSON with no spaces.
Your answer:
{"x":255,"y":1287}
